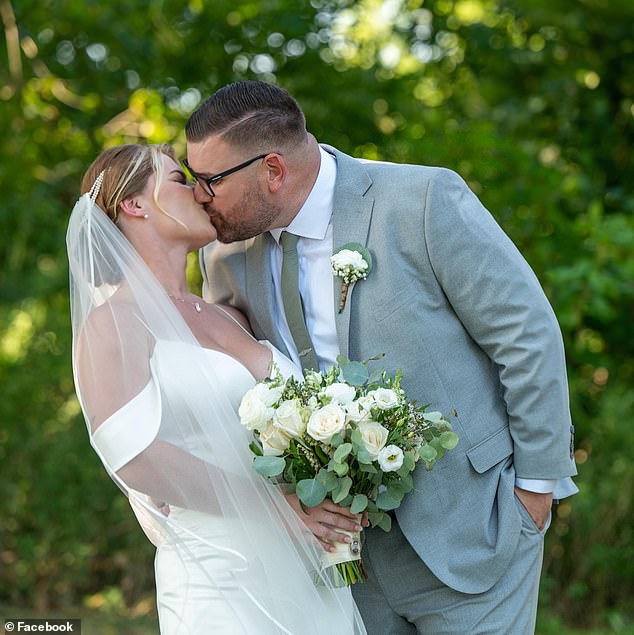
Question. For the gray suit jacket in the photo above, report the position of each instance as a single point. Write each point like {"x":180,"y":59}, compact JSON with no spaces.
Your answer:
{"x":451,"y":301}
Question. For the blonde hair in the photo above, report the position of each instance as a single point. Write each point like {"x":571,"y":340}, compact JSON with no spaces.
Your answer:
{"x":127,"y":169}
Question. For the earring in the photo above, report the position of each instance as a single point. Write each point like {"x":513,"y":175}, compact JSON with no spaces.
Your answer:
{"x":146,"y":216}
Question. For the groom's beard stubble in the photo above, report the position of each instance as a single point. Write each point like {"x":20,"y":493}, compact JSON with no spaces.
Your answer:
{"x":249,"y":217}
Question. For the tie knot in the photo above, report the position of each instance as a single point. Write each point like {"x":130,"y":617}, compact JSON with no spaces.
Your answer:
{"x":288,"y":242}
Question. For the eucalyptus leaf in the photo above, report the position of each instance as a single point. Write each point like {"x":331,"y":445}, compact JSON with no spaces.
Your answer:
{"x":427,"y":452}
{"x":409,"y":460}
{"x":449,"y":440}
{"x":347,"y":501}
{"x":342,"y":452}
{"x":311,"y":492}
{"x":385,"y":523}
{"x":355,"y":373}
{"x":336,"y":440}
{"x":389,"y":500}
{"x":367,"y":467}
{"x":269,"y":465}
{"x":341,"y":468}
{"x":375,"y":516}
{"x":328,"y":479}
{"x":342,"y":360}
{"x":359,"y":504}
{"x":363,"y":456}
{"x":342,"y":490}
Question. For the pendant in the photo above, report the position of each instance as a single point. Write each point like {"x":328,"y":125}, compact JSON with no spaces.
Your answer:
{"x":197,"y":307}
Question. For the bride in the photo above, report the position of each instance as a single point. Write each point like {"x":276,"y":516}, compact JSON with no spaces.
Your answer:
{"x":159,"y":374}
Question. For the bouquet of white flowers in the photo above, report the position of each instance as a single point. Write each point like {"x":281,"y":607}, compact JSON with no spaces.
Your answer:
{"x":347,"y":434}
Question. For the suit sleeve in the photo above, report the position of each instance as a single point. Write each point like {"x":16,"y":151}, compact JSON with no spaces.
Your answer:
{"x":501,"y":304}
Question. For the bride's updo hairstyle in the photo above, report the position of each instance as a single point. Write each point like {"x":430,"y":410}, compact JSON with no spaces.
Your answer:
{"x":126,"y":169}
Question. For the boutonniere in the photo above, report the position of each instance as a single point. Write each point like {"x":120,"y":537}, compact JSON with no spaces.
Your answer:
{"x":351,"y":262}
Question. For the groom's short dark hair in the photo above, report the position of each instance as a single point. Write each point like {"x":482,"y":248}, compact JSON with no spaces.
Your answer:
{"x":249,"y":114}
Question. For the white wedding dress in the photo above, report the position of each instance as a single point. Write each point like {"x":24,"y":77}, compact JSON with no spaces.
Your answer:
{"x":197,"y":576}
{"x":161,"y":412}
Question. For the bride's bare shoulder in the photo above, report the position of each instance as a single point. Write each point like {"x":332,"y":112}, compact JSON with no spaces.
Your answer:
{"x":114,"y":322}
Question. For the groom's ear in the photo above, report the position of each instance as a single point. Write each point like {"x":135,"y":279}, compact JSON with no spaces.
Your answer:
{"x":131,"y":207}
{"x":276,"y":171}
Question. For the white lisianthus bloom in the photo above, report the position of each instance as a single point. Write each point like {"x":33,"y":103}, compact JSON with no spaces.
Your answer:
{"x":356,"y":412}
{"x":341,"y":393}
{"x":288,"y":418}
{"x":384,"y":398}
{"x":268,"y":394}
{"x":348,"y":258}
{"x":313,"y":404}
{"x":390,"y":458}
{"x":326,"y":422}
{"x":253,"y":411}
{"x":374,"y":437}
{"x":274,"y":441}
{"x":434,"y":417}
{"x":367,"y":402}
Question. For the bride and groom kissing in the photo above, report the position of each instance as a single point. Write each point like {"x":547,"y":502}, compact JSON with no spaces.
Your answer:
{"x":160,"y":373}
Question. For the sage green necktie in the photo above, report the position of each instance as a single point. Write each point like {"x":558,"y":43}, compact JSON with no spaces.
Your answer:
{"x":293,"y":307}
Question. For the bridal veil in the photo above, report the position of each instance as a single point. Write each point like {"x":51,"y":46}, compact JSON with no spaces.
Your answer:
{"x":161,"y":418}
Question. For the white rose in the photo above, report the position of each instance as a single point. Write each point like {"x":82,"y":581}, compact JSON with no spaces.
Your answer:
{"x":288,"y":418}
{"x":326,"y":422}
{"x":434,"y":417}
{"x":341,"y":393}
{"x":384,"y":398}
{"x":349,"y":258}
{"x":374,"y":437}
{"x":274,"y":441}
{"x":390,"y":458}
{"x":253,"y":411}
{"x":268,"y":394}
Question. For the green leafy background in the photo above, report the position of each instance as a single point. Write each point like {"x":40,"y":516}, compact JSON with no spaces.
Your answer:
{"x":532,"y":101}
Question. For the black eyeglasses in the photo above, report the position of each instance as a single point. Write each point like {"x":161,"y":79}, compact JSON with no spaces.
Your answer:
{"x":205,"y":182}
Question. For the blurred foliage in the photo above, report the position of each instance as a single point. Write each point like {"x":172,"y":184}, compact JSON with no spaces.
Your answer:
{"x":532,"y":101}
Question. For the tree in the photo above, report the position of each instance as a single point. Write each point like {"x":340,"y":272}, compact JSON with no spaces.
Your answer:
{"x":532,"y":102}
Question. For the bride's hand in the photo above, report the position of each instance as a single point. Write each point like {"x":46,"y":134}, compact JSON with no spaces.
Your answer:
{"x":325,"y":519}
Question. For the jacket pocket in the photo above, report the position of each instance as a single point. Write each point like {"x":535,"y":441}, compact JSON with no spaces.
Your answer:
{"x":491,"y":451}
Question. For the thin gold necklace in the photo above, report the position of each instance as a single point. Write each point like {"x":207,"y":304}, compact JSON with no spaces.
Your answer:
{"x":194,"y":303}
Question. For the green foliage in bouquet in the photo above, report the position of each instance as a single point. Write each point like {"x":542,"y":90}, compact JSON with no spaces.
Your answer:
{"x":347,"y":434}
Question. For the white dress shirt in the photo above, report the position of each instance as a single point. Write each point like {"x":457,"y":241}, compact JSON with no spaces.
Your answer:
{"x":313,"y":226}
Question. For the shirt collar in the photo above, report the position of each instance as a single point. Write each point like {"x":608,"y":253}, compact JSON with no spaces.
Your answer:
{"x":313,"y":218}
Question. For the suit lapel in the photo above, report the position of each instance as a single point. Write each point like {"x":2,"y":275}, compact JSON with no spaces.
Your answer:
{"x":352,"y":212}
{"x":259,"y":288}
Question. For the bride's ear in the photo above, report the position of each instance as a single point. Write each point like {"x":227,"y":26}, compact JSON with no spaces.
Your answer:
{"x":132,"y":207}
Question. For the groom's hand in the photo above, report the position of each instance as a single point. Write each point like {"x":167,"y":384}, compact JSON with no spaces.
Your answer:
{"x":325,"y":519}
{"x":537,"y":505}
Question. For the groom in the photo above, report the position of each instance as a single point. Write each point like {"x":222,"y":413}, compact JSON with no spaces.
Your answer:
{"x":449,"y":300}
